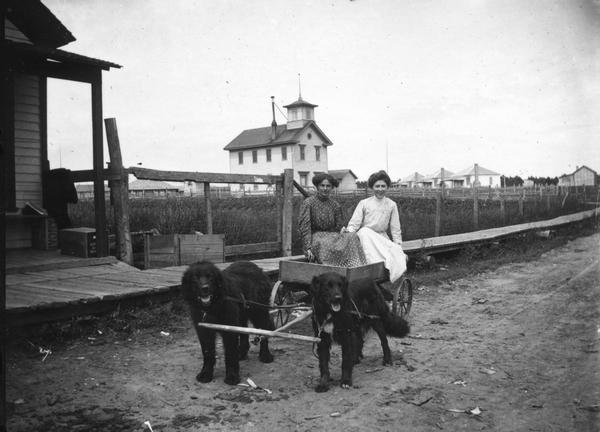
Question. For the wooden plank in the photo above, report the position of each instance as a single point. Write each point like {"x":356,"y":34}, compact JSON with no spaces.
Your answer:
{"x":201,"y":177}
{"x":75,"y":262}
{"x":252,"y":248}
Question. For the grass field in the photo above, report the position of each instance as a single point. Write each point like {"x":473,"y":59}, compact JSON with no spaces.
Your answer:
{"x":254,"y":219}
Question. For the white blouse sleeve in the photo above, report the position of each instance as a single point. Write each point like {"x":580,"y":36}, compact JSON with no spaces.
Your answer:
{"x":357,"y":217}
{"x":395,"y":228}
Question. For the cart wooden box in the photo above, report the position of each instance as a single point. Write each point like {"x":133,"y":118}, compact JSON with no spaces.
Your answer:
{"x":296,"y":275}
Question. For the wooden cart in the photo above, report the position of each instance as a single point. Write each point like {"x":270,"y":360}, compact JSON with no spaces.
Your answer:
{"x":295,"y":277}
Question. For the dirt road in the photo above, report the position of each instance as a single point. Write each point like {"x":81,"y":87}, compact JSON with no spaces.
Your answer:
{"x":511,"y":348}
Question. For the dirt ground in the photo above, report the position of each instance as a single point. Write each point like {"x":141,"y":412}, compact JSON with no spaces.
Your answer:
{"x":504,"y":338}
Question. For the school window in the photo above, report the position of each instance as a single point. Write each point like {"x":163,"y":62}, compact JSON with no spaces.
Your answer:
{"x":302,"y":152}
{"x":241,"y":158}
{"x":283,"y":153}
{"x":318,"y":153}
{"x":254,"y":156}
{"x":303,"y":178}
{"x":268,"y":155}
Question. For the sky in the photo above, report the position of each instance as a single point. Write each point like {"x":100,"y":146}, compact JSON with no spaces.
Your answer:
{"x":408,"y":86}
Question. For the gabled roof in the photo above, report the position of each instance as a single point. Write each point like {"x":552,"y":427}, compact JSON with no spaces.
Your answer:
{"x":438,"y":175}
{"x":340,"y":174}
{"x":414,"y":177}
{"x":36,"y":22}
{"x":470,"y":171}
{"x":151,"y":185}
{"x":586,"y":167}
{"x":261,"y":137}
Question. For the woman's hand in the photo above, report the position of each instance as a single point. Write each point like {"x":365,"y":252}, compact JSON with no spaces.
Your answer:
{"x":343,"y":230}
{"x":310,"y":257}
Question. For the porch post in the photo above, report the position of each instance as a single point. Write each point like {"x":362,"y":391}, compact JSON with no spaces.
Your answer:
{"x":98,"y":152}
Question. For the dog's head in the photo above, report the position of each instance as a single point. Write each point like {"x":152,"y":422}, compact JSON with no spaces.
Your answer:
{"x":202,"y":283}
{"x":331,"y":290}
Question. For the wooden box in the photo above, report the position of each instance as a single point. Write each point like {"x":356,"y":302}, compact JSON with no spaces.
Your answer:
{"x":182,"y":249}
{"x":302,"y":272}
{"x":80,"y":242}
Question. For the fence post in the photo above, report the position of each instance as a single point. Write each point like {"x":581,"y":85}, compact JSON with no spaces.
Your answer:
{"x":521,"y":199}
{"x":120,"y":193}
{"x":208,"y":207}
{"x":438,"y":213}
{"x":279,"y":204}
{"x":475,"y":208}
{"x":286,"y":217}
{"x":502,"y":209}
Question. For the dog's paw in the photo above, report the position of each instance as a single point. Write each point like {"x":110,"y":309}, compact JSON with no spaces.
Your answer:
{"x":244,"y":355}
{"x":322,"y":388}
{"x":346,"y":384}
{"x":387,"y":361}
{"x":204,"y":376}
{"x":232,"y":379}
{"x":266,"y":357}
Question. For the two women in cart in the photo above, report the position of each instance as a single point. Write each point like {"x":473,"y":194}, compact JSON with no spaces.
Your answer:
{"x":364,"y":240}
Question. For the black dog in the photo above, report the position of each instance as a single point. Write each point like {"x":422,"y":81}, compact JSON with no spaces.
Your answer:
{"x":345,"y":314}
{"x":228,"y":298}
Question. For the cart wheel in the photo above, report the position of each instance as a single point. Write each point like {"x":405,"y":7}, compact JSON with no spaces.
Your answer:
{"x":280,"y":295}
{"x":403,"y":294}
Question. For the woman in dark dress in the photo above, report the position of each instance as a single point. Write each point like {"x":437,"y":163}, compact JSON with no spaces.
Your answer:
{"x":319,"y":224}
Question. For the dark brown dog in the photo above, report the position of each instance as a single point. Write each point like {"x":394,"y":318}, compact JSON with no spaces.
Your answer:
{"x":227,"y":298}
{"x":344,"y":315}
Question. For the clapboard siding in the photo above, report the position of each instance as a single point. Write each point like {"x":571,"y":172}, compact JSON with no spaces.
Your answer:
{"x":28,"y":172}
{"x":28,"y":122}
{"x":25,"y":108}
{"x":13,"y":33}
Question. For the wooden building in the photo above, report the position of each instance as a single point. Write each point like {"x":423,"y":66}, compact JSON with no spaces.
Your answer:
{"x":582,"y":176}
{"x":153,"y":189}
{"x":436,"y":180}
{"x":299,"y":144}
{"x":346,"y":178}
{"x":30,"y":55}
{"x":411,"y":181}
{"x":476,"y":175}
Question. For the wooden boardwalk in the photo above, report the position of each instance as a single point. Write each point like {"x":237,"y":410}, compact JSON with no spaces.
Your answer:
{"x":51,"y":287}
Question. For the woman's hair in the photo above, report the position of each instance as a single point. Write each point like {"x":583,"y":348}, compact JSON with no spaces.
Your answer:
{"x":379,"y":175}
{"x":318,"y":178}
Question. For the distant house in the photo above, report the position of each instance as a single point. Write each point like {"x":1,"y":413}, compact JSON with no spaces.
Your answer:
{"x":86,"y":190}
{"x":411,"y":181}
{"x":435,"y":180}
{"x":152,"y":189}
{"x":299,"y":144}
{"x":346,"y":178}
{"x":475,"y":174}
{"x":582,"y":176}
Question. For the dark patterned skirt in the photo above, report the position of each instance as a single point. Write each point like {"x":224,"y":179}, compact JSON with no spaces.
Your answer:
{"x":342,"y":250}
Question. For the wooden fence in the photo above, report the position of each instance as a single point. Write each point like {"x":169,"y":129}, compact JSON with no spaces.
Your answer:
{"x":284,"y":191}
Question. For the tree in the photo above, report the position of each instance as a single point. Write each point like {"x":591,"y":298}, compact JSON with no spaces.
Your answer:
{"x":511,"y":181}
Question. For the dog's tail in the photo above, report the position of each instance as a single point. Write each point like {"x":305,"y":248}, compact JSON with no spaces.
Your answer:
{"x":396,"y":326}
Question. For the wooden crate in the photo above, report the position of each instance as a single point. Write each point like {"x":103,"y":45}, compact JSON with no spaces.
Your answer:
{"x":80,"y":242}
{"x":303,"y":272}
{"x":182,"y":249}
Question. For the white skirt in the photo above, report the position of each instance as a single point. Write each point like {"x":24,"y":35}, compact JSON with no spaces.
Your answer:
{"x":378,"y":248}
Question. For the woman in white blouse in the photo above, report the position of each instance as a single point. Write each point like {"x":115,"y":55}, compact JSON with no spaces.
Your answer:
{"x":372,"y":219}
